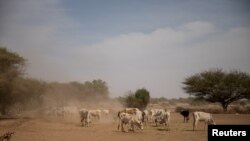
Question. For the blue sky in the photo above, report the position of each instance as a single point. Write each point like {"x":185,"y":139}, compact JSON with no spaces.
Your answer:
{"x":129,"y":44}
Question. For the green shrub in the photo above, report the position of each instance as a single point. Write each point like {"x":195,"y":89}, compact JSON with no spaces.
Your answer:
{"x":139,"y":100}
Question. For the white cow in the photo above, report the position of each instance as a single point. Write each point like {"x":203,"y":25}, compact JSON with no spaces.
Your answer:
{"x":70,"y":111}
{"x":202,"y":116}
{"x":145,"y":117}
{"x":55,"y":112}
{"x":131,"y":120}
{"x":96,"y":114}
{"x":105,"y":112}
{"x":154,"y":112}
{"x":132,"y":111}
{"x":129,"y":110}
{"x":85,"y":117}
{"x":162,"y":117}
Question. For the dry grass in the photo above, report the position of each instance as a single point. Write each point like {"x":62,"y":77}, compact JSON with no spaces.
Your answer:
{"x":106,"y":130}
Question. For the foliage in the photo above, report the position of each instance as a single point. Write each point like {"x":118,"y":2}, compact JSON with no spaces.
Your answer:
{"x":219,"y":86}
{"x":198,"y":102}
{"x":158,"y":100}
{"x":15,"y":89}
{"x":28,"y":92}
{"x":61,"y":93}
{"x":139,"y":99}
{"x":11,"y":66}
{"x":96,"y":89}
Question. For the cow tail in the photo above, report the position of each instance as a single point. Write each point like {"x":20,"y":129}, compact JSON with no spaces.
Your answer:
{"x":119,"y":120}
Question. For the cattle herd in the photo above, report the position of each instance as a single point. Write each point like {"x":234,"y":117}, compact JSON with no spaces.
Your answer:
{"x":135,"y":119}
{"x":131,"y":118}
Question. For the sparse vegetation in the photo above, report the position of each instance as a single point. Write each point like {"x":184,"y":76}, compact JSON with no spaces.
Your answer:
{"x":21,"y":93}
{"x":219,"y":86}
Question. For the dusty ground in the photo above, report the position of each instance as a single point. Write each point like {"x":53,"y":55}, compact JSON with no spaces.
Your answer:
{"x":44,"y":129}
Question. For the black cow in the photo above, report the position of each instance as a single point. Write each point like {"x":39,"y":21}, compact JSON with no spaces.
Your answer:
{"x":185,"y":114}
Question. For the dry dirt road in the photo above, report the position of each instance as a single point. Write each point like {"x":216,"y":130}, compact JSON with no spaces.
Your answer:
{"x":41,"y":129}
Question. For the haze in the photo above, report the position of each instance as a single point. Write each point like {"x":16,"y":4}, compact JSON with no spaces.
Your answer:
{"x":130,"y":44}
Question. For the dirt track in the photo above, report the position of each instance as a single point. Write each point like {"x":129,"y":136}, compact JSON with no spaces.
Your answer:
{"x":38,"y":129}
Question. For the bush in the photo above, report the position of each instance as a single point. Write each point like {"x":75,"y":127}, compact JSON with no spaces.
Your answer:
{"x":198,"y":102}
{"x":138,"y":100}
{"x":216,"y":109}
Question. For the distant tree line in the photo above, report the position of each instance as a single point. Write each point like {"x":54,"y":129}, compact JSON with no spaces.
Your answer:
{"x":18,"y":89}
{"x":61,"y":93}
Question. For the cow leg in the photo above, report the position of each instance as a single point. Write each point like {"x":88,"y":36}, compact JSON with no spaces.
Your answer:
{"x":133,"y":127}
{"x":130,"y":124}
{"x":156,"y":123}
{"x":87,"y":123}
{"x":194,"y":124}
{"x":82,"y":122}
{"x":122,"y":127}
{"x":119,"y":122}
{"x":205,"y":123}
{"x":167,"y":125}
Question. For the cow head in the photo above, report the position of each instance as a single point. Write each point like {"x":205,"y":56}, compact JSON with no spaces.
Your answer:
{"x":139,"y":124}
{"x":211,"y":121}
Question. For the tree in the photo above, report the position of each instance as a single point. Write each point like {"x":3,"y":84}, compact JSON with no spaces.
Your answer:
{"x":131,"y":101}
{"x":139,"y":100}
{"x":97,"y":89}
{"x":219,"y":86}
{"x":28,"y":92}
{"x":11,"y":66}
{"x":143,"y":97}
{"x":100,"y":89}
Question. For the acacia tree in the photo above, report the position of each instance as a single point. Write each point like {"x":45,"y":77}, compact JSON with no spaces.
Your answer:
{"x":219,"y":86}
{"x":11,"y":66}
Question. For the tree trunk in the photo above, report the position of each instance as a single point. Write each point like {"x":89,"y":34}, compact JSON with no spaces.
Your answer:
{"x":224,"y":106}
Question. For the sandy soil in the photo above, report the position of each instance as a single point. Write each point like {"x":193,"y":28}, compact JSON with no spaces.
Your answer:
{"x":47,"y":129}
